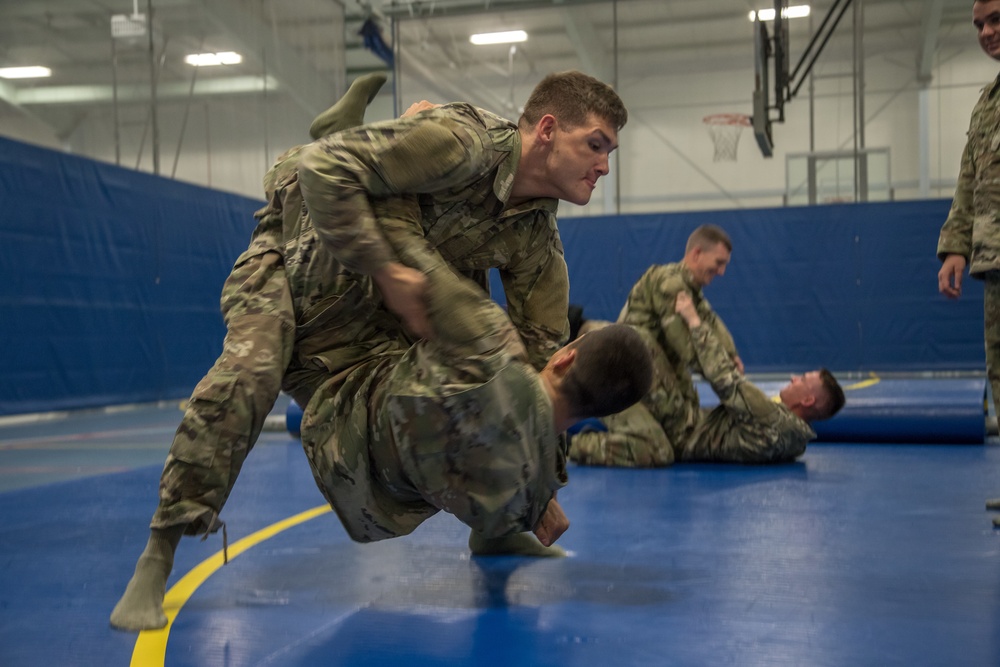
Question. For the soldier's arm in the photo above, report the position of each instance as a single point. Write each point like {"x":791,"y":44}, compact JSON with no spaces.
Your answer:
{"x":466,"y":323}
{"x":341,"y":174}
{"x":955,"y":241}
{"x":536,"y":284}
{"x":956,"y":233}
{"x":662,"y":297}
{"x":722,"y":333}
{"x":735,"y":392}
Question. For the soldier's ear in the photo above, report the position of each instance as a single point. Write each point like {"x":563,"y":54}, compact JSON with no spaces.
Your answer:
{"x":563,"y":360}
{"x":545,"y":128}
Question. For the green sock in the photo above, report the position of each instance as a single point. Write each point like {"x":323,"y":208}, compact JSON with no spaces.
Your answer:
{"x":141,"y":606}
{"x":349,"y":111}
{"x":518,"y":544}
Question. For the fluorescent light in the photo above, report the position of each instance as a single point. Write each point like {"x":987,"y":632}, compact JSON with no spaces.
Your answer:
{"x":212,"y":59}
{"x":508,"y":37}
{"x":34,"y":72}
{"x":793,"y":12}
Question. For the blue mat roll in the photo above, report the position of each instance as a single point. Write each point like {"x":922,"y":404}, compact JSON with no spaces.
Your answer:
{"x":922,"y":410}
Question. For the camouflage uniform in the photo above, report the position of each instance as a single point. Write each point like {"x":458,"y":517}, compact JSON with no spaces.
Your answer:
{"x":651,"y":432}
{"x":746,"y":426}
{"x":973,"y":225}
{"x":300,"y":305}
{"x":460,"y":423}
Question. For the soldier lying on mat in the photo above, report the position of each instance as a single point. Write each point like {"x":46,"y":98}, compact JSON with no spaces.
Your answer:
{"x":746,"y":427}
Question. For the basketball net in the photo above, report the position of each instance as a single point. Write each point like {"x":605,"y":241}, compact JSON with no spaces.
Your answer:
{"x":725,"y":129}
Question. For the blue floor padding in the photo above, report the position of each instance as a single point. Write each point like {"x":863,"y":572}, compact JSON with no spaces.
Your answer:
{"x":917,"y":410}
{"x":939,"y":410}
{"x":855,"y":555}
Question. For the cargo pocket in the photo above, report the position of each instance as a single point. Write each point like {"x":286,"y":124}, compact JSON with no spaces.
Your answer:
{"x":207,"y":415}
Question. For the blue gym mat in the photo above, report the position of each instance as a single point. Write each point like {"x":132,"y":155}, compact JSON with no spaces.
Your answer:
{"x":918,"y":410}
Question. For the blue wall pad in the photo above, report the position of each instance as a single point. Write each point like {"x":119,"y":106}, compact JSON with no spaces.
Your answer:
{"x":852,"y":287}
{"x":920,"y":410}
{"x":111,"y":280}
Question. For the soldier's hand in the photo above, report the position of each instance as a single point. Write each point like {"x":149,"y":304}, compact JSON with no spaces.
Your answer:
{"x":684,"y":306}
{"x":404,"y":291}
{"x":950,"y":276}
{"x":552,"y":524}
{"x":417,"y":107}
{"x":739,"y":364}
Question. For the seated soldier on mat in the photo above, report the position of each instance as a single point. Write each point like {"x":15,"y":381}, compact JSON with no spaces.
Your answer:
{"x":746,"y":427}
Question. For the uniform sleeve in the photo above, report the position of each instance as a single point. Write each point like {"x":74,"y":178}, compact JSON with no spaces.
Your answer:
{"x":536,"y":284}
{"x":676,"y":337}
{"x":341,"y":174}
{"x":719,"y":327}
{"x":472,"y":333}
{"x":741,"y":398}
{"x":956,"y":233}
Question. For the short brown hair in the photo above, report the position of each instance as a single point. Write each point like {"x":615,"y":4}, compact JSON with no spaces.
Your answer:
{"x":572,"y":97}
{"x":707,"y":237}
{"x":833,"y":399}
{"x":613,"y":370}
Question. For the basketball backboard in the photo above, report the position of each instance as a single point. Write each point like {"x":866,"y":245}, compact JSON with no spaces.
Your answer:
{"x":771,"y":63}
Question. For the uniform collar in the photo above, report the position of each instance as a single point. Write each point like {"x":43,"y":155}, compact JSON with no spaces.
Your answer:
{"x":508,"y":140}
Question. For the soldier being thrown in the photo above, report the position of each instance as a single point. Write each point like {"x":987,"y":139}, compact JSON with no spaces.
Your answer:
{"x":311,"y":303}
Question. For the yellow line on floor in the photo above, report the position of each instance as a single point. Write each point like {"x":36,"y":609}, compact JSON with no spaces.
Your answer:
{"x":151,"y":645}
{"x":870,"y":382}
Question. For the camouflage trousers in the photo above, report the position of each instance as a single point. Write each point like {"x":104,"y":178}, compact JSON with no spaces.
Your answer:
{"x":651,"y":432}
{"x":226,"y":411}
{"x":991,"y":330}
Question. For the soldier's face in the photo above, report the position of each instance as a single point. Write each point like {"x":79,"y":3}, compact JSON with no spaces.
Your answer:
{"x":986,"y":19}
{"x":579,"y":157}
{"x":803,"y":389}
{"x":705,"y":265}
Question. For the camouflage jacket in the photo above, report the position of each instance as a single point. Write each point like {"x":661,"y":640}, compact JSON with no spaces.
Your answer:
{"x":461,"y":423}
{"x":746,"y":426}
{"x":650,"y":309}
{"x":973,"y":225}
{"x":460,"y":162}
{"x":650,"y":306}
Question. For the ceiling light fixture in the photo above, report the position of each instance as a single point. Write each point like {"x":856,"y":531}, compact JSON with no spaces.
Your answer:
{"x":213,"y":59}
{"x":34,"y":72}
{"x":507,"y":37}
{"x":793,"y":12}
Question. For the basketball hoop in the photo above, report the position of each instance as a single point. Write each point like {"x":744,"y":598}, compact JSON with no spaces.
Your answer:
{"x":725,"y":129}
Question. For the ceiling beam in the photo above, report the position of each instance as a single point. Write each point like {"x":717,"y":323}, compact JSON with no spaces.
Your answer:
{"x":587,"y":44}
{"x":930,"y":24}
{"x":100,"y":94}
